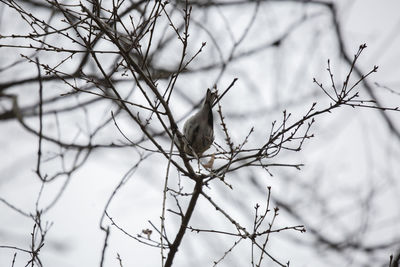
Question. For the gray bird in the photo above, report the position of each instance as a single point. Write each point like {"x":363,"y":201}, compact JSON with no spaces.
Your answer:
{"x":198,"y":130}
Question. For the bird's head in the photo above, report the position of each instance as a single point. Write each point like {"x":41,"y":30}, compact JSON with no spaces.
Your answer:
{"x":210,"y":97}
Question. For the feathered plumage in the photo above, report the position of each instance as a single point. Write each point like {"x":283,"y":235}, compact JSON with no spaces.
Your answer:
{"x":199,"y":129}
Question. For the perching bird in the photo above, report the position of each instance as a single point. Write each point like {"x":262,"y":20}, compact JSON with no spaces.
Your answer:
{"x":198,"y":130}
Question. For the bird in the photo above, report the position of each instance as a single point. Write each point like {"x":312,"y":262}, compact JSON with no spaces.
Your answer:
{"x":198,"y":130}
